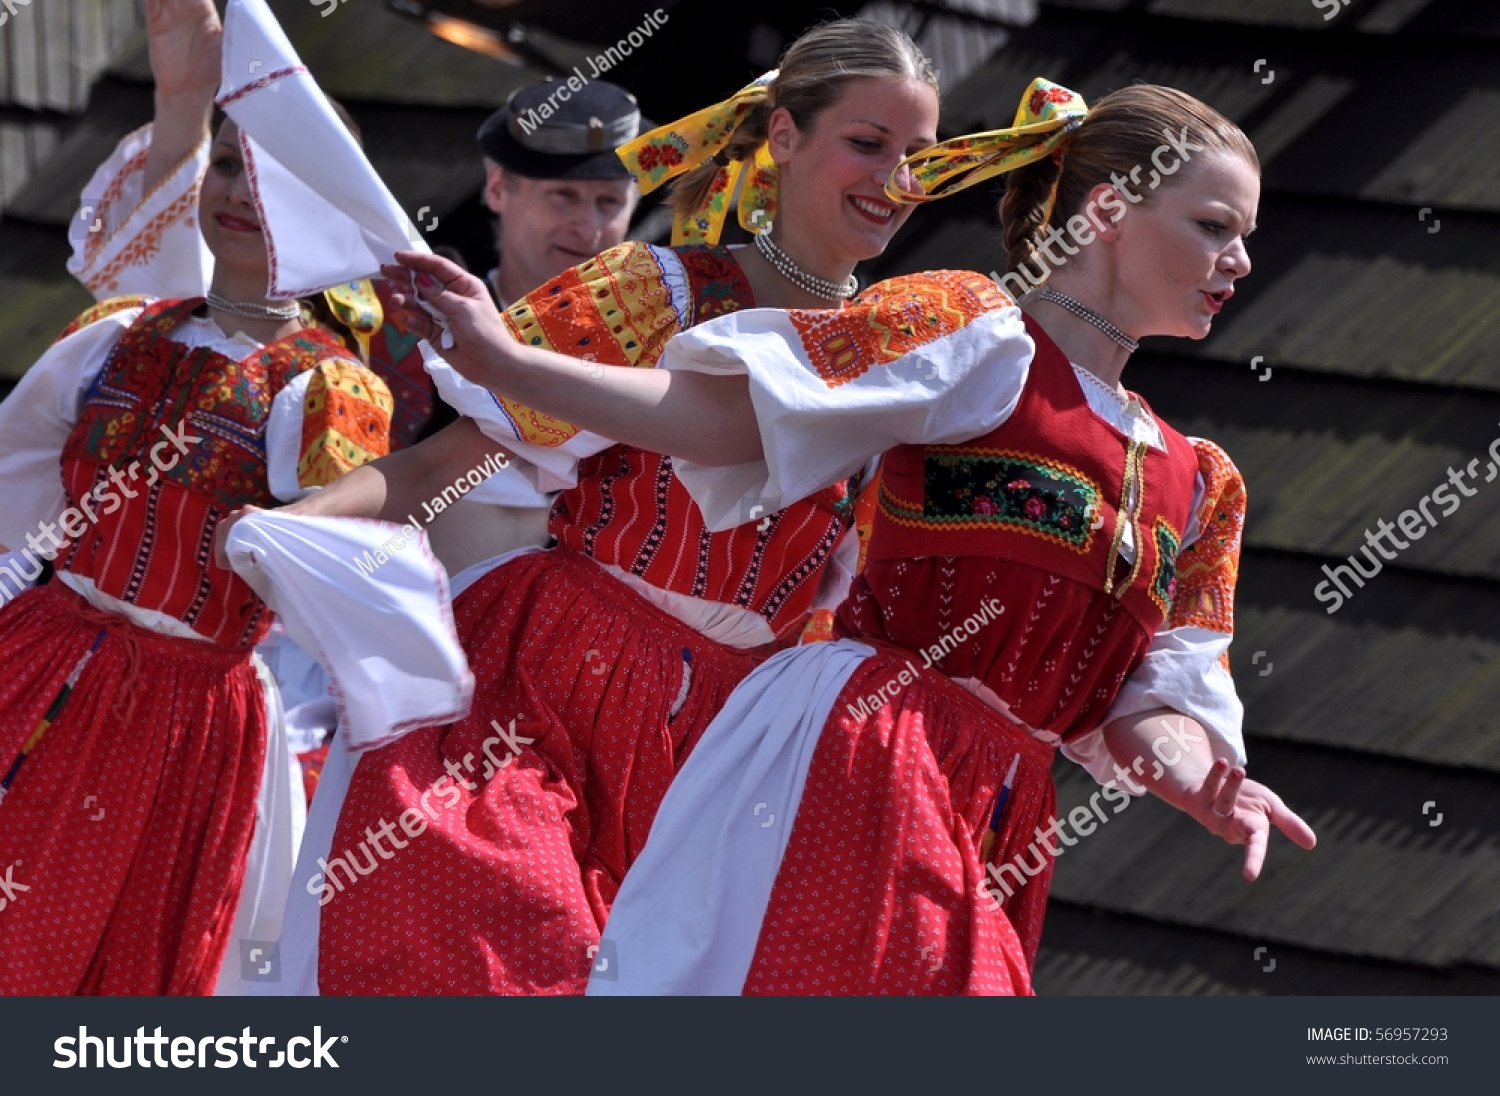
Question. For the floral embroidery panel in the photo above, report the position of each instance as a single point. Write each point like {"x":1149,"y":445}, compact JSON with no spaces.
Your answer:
{"x":977,"y":489}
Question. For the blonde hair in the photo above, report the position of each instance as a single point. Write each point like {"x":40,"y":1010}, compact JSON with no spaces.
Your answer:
{"x":1119,"y":135}
{"x":813,"y":72}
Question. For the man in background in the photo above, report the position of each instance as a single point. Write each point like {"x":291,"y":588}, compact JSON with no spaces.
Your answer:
{"x":560,"y":196}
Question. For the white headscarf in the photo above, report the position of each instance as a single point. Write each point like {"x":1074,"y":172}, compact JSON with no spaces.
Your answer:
{"x":326,"y":215}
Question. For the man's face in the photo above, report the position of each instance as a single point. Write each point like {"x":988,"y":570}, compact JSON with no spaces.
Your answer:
{"x":550,"y":225}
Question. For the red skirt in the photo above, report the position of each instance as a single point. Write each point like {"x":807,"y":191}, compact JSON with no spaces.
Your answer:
{"x":520,"y":836}
{"x":128,"y":823}
{"x":883,"y":888}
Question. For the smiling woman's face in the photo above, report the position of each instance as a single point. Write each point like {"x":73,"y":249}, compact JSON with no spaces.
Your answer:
{"x":833,"y":174}
{"x":226,"y":213}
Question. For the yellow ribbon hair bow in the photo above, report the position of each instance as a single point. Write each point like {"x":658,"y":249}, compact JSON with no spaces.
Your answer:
{"x":676,"y":148}
{"x":356,"y":306}
{"x":1047,"y":116}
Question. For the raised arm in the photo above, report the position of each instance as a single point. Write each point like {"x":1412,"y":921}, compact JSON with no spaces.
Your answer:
{"x":708,"y":420}
{"x":136,"y":232}
{"x":184,"y":39}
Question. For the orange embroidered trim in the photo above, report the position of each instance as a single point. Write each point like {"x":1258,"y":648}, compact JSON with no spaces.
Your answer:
{"x":101,"y":311}
{"x":97,"y":240}
{"x":144,"y":244}
{"x":346,"y":421}
{"x":893,"y":319}
{"x":864,"y":517}
{"x":117,"y":186}
{"x":615,"y":309}
{"x":1208,"y":569}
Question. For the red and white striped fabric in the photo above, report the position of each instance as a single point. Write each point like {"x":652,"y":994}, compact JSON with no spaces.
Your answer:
{"x":532,"y":808}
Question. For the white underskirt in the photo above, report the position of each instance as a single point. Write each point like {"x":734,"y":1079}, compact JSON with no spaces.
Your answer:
{"x":689,"y":912}
{"x":280,"y":818}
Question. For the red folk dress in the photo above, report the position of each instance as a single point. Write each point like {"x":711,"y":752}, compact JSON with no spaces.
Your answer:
{"x":1039,"y":564}
{"x":597,"y":665}
{"x":132,"y":716}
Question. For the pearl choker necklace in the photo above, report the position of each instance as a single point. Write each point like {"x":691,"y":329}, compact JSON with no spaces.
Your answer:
{"x":818,"y":287}
{"x":1088,"y":315}
{"x":251,"y":311}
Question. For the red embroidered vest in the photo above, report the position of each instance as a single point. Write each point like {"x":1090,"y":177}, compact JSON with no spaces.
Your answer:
{"x":630,"y":509}
{"x":1051,"y":487}
{"x":154,"y":503}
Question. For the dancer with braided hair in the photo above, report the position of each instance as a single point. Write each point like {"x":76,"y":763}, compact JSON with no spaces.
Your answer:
{"x":854,"y":822}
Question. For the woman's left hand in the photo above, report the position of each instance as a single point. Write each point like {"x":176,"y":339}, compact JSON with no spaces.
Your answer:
{"x":482,"y":344}
{"x":221,"y":535}
{"x":1243,"y":811}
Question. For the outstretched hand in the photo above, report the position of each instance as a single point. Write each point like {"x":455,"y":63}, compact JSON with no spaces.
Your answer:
{"x":1243,"y":811}
{"x":481,"y":344}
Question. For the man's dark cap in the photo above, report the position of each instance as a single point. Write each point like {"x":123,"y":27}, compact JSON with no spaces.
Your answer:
{"x":562,"y":129}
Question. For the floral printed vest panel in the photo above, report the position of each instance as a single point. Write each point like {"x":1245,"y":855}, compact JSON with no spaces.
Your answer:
{"x":171,"y":439}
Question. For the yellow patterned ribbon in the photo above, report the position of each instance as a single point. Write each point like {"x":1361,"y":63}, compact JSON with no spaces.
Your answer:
{"x":676,"y":148}
{"x":357,"y":307}
{"x":1048,"y":114}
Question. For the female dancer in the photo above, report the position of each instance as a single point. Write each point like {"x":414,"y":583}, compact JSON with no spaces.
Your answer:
{"x":1065,"y":573}
{"x":599,"y":663}
{"x":133,"y":717}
